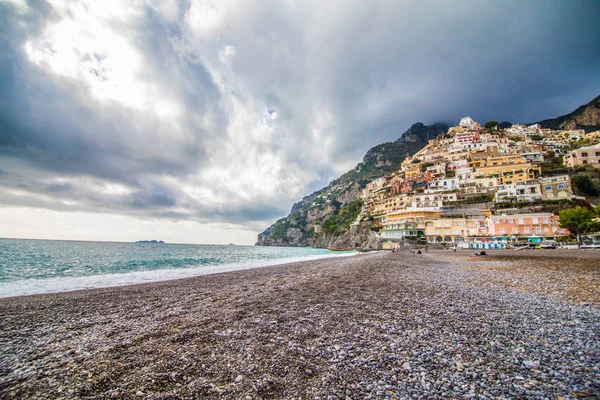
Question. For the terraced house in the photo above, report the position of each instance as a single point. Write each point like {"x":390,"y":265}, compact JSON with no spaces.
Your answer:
{"x":457,"y":227}
{"x":448,"y":191}
{"x":543,"y":225}
{"x":583,"y":156}
{"x":409,"y":223}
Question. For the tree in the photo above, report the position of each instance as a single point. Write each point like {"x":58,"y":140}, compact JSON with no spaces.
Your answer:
{"x":578,"y":220}
{"x":491,"y":124}
{"x":584,"y":185}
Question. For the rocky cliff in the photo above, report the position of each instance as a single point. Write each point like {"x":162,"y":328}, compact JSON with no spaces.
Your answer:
{"x":335,"y":206}
{"x":585,"y":117}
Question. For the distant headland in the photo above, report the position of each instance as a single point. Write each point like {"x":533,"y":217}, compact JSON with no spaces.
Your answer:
{"x":151,"y":241}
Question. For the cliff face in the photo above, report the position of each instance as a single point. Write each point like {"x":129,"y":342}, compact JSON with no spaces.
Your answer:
{"x":585,"y":117}
{"x":336,"y":202}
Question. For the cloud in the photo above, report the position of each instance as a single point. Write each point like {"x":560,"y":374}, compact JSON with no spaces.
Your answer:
{"x":226,"y":113}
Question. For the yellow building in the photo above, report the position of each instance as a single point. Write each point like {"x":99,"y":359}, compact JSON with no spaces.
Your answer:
{"x":390,"y":204}
{"x":409,"y":223}
{"x":478,"y":158}
{"x":412,"y":171}
{"x":456,"y":229}
{"x":509,"y":159}
{"x":509,"y":173}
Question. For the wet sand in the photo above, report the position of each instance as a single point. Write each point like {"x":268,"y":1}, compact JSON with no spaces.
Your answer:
{"x":515,"y":324}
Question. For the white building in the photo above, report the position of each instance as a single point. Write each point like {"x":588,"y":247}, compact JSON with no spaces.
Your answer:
{"x":443,"y":184}
{"x":519,"y":191}
{"x":467,"y":122}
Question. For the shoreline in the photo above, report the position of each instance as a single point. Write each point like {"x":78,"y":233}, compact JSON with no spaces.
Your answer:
{"x":32,"y":287}
{"x":380,"y":324}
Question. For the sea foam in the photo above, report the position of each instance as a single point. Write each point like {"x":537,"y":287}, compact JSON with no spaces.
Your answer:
{"x":64,"y":284}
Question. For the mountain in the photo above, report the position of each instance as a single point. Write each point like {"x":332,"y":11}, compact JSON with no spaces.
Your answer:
{"x":337,"y":205}
{"x":585,"y":117}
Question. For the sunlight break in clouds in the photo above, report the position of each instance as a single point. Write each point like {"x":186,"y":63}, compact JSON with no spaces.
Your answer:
{"x":85,"y":46}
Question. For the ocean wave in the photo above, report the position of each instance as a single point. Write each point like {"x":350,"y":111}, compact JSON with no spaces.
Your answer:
{"x":65,"y":284}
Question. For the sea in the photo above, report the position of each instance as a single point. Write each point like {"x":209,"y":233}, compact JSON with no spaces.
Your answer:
{"x":47,"y":266}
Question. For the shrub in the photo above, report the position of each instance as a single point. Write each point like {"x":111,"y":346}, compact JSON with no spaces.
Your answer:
{"x":339,"y":222}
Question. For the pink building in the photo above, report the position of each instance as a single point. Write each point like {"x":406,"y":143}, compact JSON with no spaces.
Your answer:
{"x":466,"y":137}
{"x":544,"y":225}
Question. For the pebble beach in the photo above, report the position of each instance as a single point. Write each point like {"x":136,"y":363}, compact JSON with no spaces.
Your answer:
{"x":514,"y":324}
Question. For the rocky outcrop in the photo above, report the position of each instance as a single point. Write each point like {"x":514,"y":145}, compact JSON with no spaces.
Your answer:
{"x":302,"y":227}
{"x":586,"y":117}
{"x":349,"y":241}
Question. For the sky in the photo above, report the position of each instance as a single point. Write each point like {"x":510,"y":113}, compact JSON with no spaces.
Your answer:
{"x":203,"y":121}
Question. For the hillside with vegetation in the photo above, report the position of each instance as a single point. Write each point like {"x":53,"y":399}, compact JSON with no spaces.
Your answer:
{"x":320,"y":218}
{"x":467,"y":177}
{"x":585,"y":117}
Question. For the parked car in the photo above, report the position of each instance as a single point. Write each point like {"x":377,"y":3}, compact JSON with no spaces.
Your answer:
{"x":549,"y":246}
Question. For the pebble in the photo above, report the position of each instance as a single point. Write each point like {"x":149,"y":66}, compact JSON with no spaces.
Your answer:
{"x":379,"y":326}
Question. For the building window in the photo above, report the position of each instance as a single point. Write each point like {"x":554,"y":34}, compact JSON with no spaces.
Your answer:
{"x":584,"y":162}
{"x":584,"y":155}
{"x":561,"y":186}
{"x":547,"y":187}
{"x":502,"y":232}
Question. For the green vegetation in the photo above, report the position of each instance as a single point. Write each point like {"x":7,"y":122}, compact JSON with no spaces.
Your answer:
{"x":339,"y":221}
{"x":480,"y":198}
{"x":426,"y":165}
{"x":280,"y":230}
{"x":578,"y":220}
{"x":553,"y":164}
{"x":584,"y":185}
{"x":580,"y":143}
{"x":553,"y":206}
{"x":491,"y":124}
{"x":512,"y":204}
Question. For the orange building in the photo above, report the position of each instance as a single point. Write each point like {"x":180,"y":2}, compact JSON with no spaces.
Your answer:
{"x":544,"y":225}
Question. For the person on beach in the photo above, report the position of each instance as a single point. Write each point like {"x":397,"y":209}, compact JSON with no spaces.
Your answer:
{"x":426,"y":249}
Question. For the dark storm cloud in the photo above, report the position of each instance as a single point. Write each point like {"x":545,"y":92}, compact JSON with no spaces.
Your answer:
{"x":271,"y":99}
{"x":55,"y":126}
